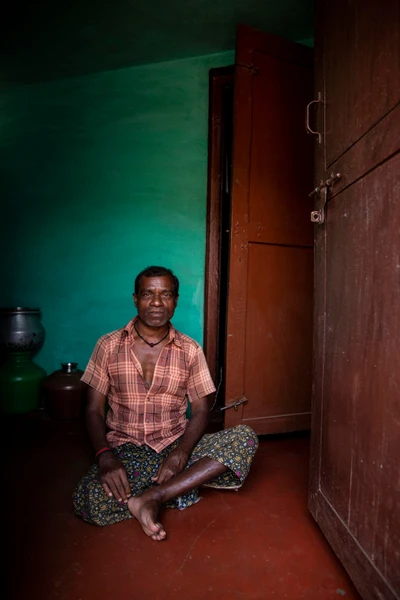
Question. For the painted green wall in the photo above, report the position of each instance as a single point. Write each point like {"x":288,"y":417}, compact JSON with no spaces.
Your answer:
{"x":102,"y":176}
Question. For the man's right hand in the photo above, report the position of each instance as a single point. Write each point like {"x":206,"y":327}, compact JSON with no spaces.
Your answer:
{"x":113,"y":477}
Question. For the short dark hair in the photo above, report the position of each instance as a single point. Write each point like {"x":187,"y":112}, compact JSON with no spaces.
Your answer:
{"x":157,"y":272}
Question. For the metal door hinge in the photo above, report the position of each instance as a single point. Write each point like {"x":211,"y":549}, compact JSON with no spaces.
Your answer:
{"x":236,"y":403}
{"x":318,"y":216}
{"x":253,"y":70}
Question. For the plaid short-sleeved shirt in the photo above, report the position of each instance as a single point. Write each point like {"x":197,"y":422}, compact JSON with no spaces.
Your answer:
{"x":154,"y":415}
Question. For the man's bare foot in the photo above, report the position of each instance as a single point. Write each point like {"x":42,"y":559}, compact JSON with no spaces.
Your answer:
{"x":146,"y":510}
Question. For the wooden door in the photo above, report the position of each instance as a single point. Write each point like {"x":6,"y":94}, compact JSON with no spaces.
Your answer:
{"x":269,"y":329}
{"x":355,"y":483}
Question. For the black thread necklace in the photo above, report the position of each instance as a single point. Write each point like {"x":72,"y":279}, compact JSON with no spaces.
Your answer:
{"x":151,"y":344}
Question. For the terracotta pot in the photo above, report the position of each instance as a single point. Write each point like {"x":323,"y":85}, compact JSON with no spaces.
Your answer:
{"x":64,"y":393}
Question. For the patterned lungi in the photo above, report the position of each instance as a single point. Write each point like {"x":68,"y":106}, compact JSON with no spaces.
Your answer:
{"x":234,"y":448}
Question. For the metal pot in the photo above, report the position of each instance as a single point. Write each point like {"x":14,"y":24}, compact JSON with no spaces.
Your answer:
{"x":21,"y":330}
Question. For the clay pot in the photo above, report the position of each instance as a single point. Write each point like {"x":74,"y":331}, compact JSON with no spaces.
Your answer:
{"x":64,"y":393}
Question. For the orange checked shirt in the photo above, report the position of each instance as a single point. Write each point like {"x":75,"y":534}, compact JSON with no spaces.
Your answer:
{"x":154,"y":415}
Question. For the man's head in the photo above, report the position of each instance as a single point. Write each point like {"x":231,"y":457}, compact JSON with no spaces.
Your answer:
{"x":157,"y":272}
{"x":156,"y":295}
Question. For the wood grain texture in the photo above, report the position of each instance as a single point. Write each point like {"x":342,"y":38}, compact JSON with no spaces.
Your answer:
{"x":368,"y":580}
{"x":362,"y":68}
{"x":354,"y":478}
{"x":360,"y":475}
{"x":271,"y":236}
{"x":278,"y":326}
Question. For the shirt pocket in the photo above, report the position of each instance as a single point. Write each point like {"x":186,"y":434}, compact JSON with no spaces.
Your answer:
{"x":174,"y":384}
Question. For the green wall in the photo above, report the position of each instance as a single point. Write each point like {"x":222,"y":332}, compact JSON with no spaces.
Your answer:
{"x":102,"y":176}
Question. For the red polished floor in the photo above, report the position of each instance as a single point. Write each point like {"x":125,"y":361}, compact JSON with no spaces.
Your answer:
{"x":259,"y":543}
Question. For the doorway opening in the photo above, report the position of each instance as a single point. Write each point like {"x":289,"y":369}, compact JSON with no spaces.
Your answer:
{"x":218,"y":229}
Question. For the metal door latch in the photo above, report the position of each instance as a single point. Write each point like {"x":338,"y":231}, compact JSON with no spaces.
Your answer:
{"x":236,"y":403}
{"x":325,"y":184}
{"x":318,"y":216}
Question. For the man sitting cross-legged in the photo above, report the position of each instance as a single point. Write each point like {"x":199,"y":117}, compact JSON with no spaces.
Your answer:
{"x":148,"y":454}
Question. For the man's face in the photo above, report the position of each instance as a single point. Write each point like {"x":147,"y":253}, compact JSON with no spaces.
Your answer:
{"x":156,"y":300}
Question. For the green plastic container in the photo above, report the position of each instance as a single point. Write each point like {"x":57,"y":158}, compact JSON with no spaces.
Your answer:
{"x":20,"y":384}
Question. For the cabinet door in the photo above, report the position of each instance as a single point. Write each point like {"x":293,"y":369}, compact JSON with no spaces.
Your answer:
{"x":355,"y":485}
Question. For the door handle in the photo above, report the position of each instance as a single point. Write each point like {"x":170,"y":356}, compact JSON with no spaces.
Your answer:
{"x":308,"y":128}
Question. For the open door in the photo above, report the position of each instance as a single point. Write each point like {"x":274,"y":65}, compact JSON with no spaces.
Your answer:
{"x":269,"y":328}
{"x":355,"y":484}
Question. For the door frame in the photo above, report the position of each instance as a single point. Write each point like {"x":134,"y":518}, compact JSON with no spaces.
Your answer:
{"x":218,"y":78}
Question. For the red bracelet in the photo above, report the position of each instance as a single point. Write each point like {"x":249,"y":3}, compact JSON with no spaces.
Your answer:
{"x":106,"y":449}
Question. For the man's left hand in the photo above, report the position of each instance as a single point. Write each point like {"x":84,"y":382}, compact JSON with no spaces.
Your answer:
{"x":172,"y":465}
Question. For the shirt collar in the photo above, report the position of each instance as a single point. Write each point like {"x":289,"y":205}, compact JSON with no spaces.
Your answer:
{"x":174,"y":335}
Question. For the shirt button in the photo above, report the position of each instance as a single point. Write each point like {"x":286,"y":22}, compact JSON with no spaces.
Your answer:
{"x":147,"y":420}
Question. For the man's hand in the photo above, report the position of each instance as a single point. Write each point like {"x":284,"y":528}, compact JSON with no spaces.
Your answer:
{"x":113,"y":477}
{"x":172,"y":465}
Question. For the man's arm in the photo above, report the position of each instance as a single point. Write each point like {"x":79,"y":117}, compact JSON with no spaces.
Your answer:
{"x":177,"y":460}
{"x":113,"y":476}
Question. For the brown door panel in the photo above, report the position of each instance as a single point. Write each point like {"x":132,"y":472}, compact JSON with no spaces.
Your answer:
{"x":358,"y":475}
{"x":279,"y":185}
{"x":278,"y":330}
{"x":362,"y":69}
{"x":269,"y":337}
{"x":354,"y":475}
